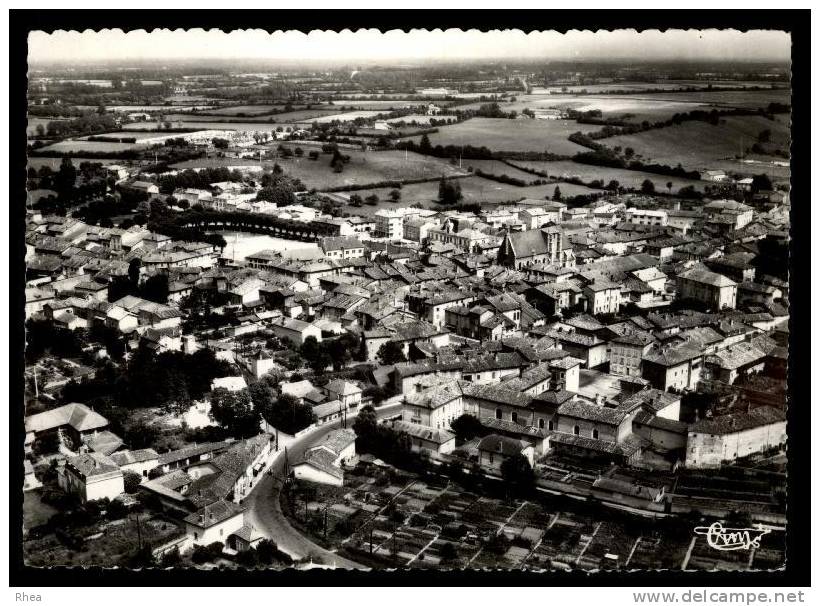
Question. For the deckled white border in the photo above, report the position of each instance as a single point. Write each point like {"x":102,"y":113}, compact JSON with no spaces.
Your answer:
{"x":487,"y":596}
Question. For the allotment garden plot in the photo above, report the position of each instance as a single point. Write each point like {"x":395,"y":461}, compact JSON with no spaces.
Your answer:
{"x":386,"y":518}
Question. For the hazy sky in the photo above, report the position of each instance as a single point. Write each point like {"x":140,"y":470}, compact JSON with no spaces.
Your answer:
{"x":416,"y":44}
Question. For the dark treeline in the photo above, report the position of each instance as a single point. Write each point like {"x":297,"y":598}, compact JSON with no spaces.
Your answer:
{"x":600,"y":155}
{"x":615,"y":127}
{"x":200,"y":179}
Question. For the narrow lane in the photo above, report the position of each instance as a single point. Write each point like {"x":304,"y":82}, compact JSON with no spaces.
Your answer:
{"x":266,"y":514}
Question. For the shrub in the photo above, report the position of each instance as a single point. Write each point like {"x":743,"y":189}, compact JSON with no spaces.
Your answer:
{"x":206,"y":553}
{"x":131,"y":480}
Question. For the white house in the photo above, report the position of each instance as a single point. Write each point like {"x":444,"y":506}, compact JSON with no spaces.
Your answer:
{"x":323,"y":463}
{"x":91,"y":476}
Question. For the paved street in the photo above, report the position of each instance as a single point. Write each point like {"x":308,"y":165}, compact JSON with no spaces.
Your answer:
{"x":263,"y":502}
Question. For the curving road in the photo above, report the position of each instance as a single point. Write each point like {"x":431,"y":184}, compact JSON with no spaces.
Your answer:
{"x":265,"y":513}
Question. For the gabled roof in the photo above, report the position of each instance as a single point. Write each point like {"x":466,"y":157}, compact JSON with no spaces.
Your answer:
{"x":739,"y":421}
{"x":502,"y":445}
{"x":422,"y":432}
{"x":214,"y":513}
{"x":579,"y":409}
{"x":77,"y":415}
{"x":704,"y":276}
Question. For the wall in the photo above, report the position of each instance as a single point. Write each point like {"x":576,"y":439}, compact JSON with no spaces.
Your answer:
{"x":311,"y":474}
{"x":709,"y":450}
{"x":217,"y":533}
{"x":110,"y":488}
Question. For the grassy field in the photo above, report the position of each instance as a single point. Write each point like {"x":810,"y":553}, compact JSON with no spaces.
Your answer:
{"x":248,"y":110}
{"x":697,"y":145}
{"x":496,"y":167}
{"x":474,"y":189}
{"x":418,"y":118}
{"x":341,"y":117}
{"x":499,"y":134}
{"x":627,"y":178}
{"x":79,"y":146}
{"x":380,"y":104}
{"x":363,"y":168}
{"x":201,"y":125}
{"x":637,"y":106}
{"x":612,"y":106}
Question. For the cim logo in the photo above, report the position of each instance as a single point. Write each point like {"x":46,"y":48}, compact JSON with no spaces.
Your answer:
{"x":732,"y":539}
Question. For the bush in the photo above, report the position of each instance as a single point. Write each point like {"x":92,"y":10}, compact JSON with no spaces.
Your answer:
{"x":131,"y":480}
{"x":206,"y":553}
{"x":498,"y":544}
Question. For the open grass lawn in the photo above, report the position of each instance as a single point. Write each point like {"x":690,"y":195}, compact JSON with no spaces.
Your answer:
{"x":567,"y":169}
{"x":500,"y":134}
{"x":697,"y":145}
{"x":366,"y":167}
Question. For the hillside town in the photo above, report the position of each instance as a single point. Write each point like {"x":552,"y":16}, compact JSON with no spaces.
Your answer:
{"x":241,"y":368}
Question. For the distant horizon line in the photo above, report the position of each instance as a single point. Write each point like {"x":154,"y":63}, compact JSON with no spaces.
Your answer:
{"x":419,"y":60}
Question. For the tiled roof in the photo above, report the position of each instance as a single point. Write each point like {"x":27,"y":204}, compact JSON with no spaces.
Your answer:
{"x":704,"y":276}
{"x":126,"y":457}
{"x":214,"y":513}
{"x":739,"y":421}
{"x":579,"y":409}
{"x":502,"y":445}
{"x":435,"y":396}
{"x":93,"y":464}
{"x":422,"y":432}
{"x":79,"y":416}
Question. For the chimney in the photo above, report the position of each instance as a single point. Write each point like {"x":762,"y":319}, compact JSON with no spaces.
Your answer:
{"x":202,"y":518}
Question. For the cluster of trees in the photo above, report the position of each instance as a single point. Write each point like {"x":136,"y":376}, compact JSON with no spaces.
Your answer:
{"x":101,"y":212}
{"x":154,"y":288}
{"x":504,"y":178}
{"x":391,"y":353}
{"x":241,"y":412}
{"x":338,"y":160}
{"x":449,"y":191}
{"x":197,"y":179}
{"x":89,"y":122}
{"x":193,"y":224}
{"x":42,"y":336}
{"x":72,"y":184}
{"x":615,"y":127}
{"x":339,"y":352}
{"x":448,"y":151}
{"x":170,"y":379}
{"x":381,"y":441}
